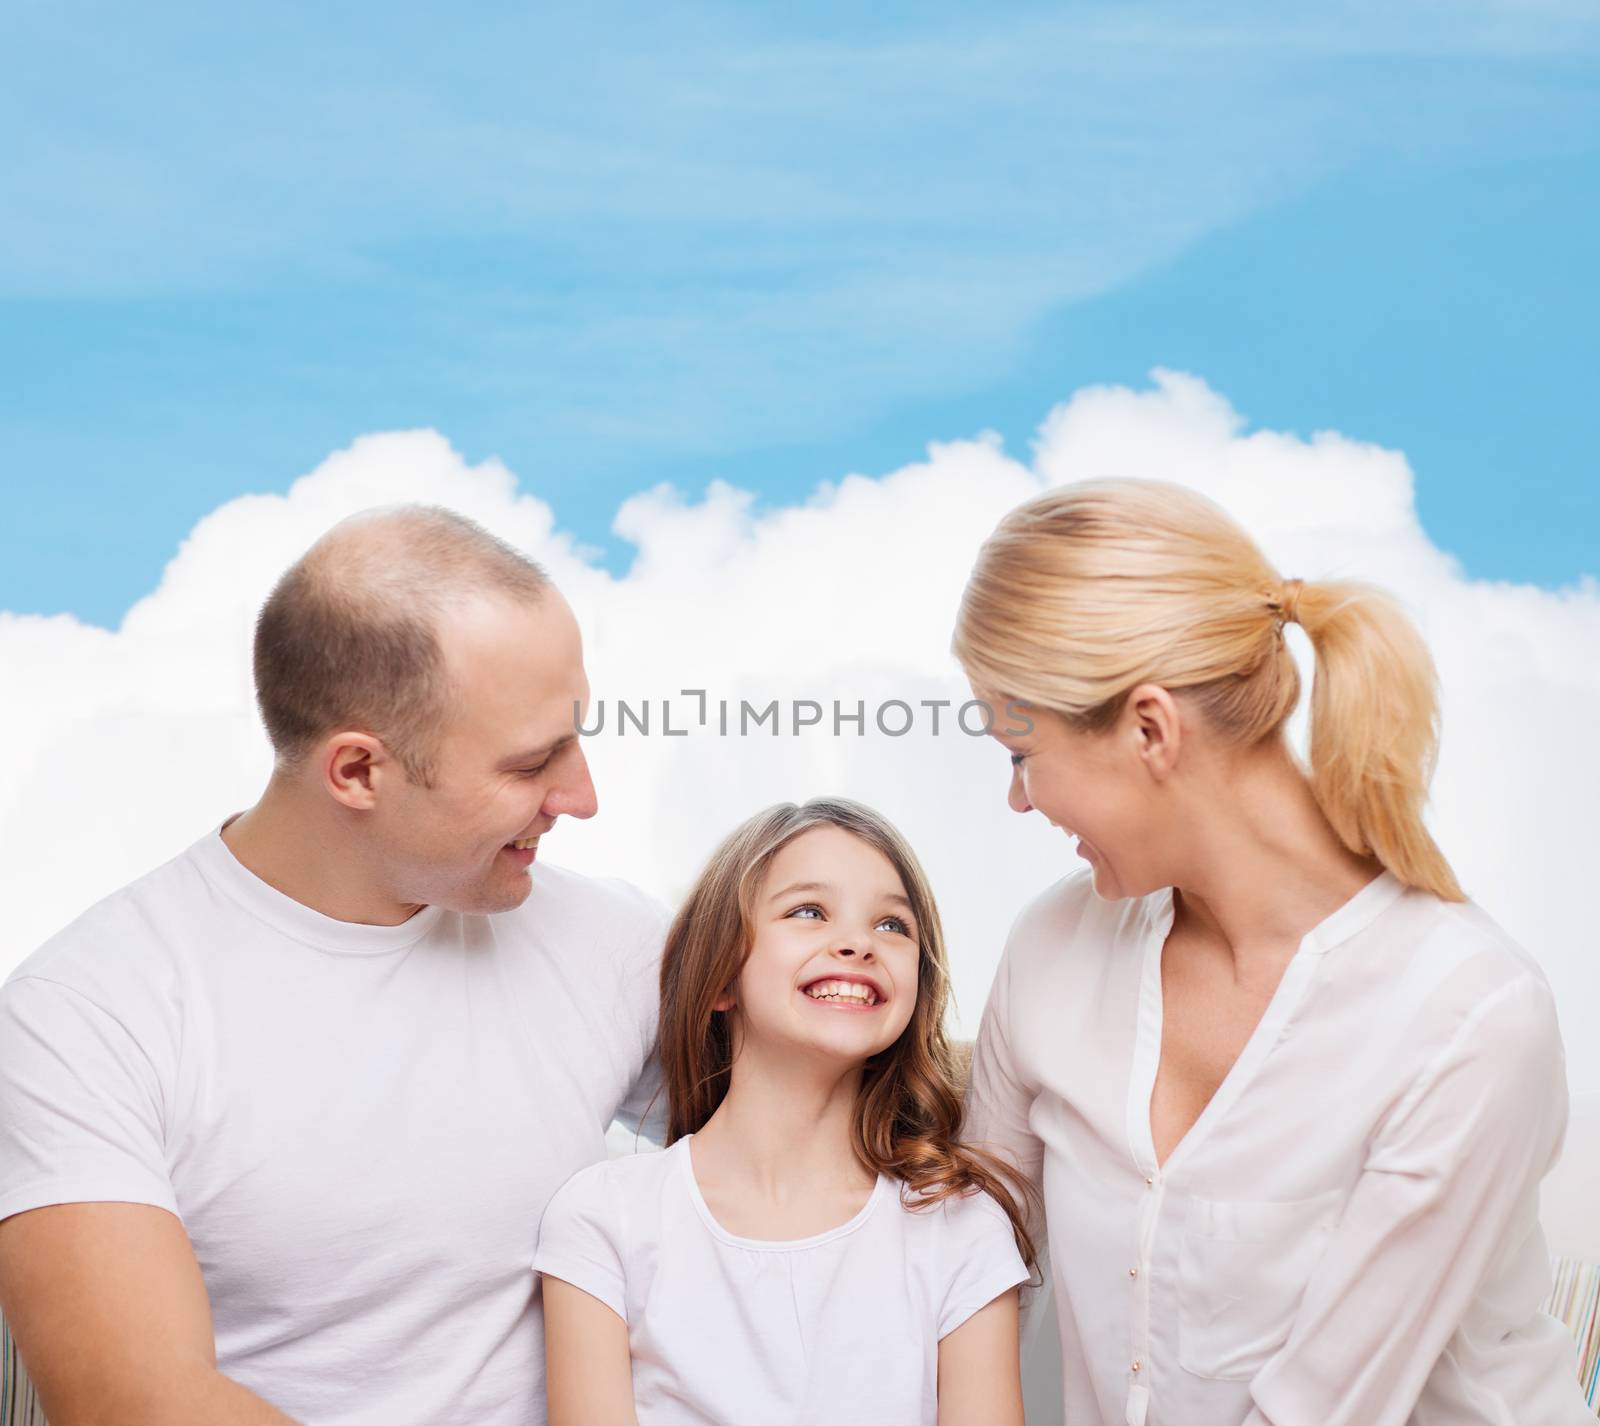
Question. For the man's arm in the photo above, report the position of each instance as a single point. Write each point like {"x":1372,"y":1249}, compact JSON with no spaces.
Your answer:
{"x":111,"y":1318}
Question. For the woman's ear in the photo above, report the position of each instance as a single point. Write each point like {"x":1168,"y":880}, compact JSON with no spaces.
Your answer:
{"x":725,"y":1001}
{"x":1157,"y":727}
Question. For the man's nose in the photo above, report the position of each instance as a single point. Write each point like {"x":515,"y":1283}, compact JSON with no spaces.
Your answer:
{"x":574,"y":794}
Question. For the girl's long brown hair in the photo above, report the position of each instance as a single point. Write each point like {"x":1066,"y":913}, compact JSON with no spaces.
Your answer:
{"x":908,"y":1108}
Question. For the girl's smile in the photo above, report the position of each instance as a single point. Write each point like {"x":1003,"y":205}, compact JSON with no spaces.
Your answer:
{"x":845,"y":991}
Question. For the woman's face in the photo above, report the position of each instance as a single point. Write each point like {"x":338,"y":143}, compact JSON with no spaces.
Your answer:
{"x":1096,"y":788}
{"x":833,"y":965}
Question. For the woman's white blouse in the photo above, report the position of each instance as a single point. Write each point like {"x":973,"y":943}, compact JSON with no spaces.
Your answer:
{"x":1348,"y":1235}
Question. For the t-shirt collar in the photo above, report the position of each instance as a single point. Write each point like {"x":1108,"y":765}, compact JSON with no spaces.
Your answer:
{"x":294,"y":919}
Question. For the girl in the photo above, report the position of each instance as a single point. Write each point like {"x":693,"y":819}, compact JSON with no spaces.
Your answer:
{"x":1289,"y":1092}
{"x":815,"y":1246}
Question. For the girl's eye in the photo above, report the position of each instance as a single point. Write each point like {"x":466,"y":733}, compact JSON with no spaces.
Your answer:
{"x":897,"y":922}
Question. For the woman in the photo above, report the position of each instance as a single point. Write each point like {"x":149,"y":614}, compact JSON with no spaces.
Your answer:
{"x":1287,"y":1092}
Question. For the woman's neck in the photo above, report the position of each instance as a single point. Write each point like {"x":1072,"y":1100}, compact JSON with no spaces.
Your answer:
{"x":783,"y":1134}
{"x":1270,"y":868}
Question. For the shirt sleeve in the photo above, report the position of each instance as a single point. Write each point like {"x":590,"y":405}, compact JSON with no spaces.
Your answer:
{"x":81,"y":1105}
{"x":1454,"y":1167}
{"x":999,"y":1098}
{"x":643,"y":1110}
{"x":981,"y":1253}
{"x":995,"y":1117}
{"x":580,"y":1238}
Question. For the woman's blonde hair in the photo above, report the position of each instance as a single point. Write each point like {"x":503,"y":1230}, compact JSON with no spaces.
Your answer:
{"x":908,"y":1108}
{"x":1085,"y":592}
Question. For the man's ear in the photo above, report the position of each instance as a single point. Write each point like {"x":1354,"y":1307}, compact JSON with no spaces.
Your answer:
{"x":354,"y":768}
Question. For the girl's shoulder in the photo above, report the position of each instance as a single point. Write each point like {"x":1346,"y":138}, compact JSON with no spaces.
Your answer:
{"x":968,"y":1214}
{"x":963,"y":1247}
{"x":613,"y":1183}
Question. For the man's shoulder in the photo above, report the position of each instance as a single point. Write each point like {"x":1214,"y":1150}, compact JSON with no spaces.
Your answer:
{"x":132,"y":934}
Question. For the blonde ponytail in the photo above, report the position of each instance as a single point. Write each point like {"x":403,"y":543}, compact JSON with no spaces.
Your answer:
{"x":1374,"y":729}
{"x":1089,"y":590}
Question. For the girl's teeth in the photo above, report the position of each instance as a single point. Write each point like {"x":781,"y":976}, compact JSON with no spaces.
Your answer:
{"x":843,"y":990}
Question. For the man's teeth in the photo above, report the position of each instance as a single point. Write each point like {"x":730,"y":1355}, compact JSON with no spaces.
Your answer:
{"x":526,"y":843}
{"x":843,"y":990}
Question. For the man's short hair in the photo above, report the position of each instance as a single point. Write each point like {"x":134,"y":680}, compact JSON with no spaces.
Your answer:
{"x":348,"y":637}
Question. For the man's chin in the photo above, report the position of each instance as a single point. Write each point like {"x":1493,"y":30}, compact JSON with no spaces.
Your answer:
{"x":505,"y":891}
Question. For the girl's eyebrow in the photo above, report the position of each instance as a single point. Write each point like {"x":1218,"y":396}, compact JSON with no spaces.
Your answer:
{"x":895,"y":897}
{"x":799,"y":886}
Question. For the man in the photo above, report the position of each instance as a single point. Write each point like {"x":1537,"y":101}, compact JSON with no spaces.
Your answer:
{"x":278,"y":1121}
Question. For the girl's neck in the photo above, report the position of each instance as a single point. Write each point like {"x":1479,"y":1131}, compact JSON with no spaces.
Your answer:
{"x":783,"y":1133}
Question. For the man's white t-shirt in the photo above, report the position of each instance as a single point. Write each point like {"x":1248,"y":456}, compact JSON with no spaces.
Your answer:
{"x":842,"y":1328}
{"x":359,"y":1126}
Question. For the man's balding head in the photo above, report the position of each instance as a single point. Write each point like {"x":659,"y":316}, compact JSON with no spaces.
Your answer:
{"x":349,"y":638}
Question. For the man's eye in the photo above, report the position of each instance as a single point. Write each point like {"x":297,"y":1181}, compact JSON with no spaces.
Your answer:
{"x":533,"y":771}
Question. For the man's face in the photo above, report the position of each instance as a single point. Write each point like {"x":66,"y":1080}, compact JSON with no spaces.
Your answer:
{"x":508,"y":762}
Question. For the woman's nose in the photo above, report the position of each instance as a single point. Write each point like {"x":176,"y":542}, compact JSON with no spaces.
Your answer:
{"x":1016,"y":798}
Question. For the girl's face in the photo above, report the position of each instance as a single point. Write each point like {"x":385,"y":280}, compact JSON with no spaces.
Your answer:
{"x":1093,"y":787}
{"x":833,"y":965}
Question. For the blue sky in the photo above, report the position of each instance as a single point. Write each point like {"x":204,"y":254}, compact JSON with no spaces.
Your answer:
{"x":747,"y":243}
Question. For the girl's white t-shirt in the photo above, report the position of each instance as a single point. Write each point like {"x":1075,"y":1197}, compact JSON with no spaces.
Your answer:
{"x":842,"y":1328}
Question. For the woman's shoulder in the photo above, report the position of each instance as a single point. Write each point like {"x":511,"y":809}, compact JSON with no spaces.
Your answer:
{"x":1456,"y":953}
{"x":1439,"y":981}
{"x":1070,"y":912}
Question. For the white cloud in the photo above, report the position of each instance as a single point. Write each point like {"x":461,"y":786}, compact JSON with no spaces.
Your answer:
{"x":126,"y":746}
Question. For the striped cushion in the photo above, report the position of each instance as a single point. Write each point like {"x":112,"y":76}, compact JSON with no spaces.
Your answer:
{"x":1575,"y":1300}
{"x":18,"y":1405}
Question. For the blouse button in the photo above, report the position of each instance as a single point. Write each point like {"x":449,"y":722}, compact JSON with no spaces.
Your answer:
{"x":1133,"y":1272}
{"x":1148,"y":1182}
{"x":1137,"y":1365}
